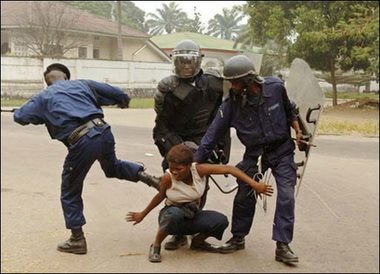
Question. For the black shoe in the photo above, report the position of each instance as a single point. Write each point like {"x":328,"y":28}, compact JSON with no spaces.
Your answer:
{"x":198,"y":243}
{"x":74,"y":245}
{"x":285,"y":254}
{"x":175,"y":242}
{"x":149,"y":179}
{"x":232,"y":245}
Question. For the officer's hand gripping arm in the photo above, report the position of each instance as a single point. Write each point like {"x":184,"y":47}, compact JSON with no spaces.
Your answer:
{"x":213,"y":135}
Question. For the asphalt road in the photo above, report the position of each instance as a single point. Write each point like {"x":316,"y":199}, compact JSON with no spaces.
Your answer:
{"x":337,"y":209}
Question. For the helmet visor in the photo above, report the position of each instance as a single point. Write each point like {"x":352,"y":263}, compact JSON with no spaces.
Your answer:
{"x":186,"y":65}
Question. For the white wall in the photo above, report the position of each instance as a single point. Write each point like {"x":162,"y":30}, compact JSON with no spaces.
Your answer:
{"x":128,"y":75}
{"x":21,"y":69}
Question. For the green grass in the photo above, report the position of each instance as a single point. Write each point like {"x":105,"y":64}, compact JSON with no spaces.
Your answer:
{"x":141,"y":103}
{"x":353,"y":95}
{"x":6,"y":102}
{"x":344,"y":127}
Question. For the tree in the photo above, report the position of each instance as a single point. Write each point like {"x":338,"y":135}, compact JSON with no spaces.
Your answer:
{"x":329,"y":35}
{"x":363,"y":27}
{"x":244,"y":38}
{"x":47,"y":29}
{"x":192,"y":25}
{"x":131,"y":16}
{"x":226,"y":25}
{"x":336,"y":36}
{"x":272,"y":61}
{"x":355,"y":79}
{"x":169,"y":19}
{"x":270,"y":26}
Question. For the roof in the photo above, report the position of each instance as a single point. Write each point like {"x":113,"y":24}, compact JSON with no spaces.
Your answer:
{"x":205,"y":42}
{"x":12,"y":11}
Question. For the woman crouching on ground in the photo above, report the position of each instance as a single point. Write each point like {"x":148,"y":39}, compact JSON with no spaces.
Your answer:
{"x":182,"y":186}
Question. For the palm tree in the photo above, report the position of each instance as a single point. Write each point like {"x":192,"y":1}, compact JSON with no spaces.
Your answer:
{"x":244,"y":38}
{"x":169,"y":18}
{"x":225,"y":26}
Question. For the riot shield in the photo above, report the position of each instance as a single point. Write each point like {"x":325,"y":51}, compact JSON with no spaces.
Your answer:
{"x":303,"y":89}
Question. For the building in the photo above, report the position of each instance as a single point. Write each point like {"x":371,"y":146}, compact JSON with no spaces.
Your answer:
{"x":88,"y":35}
{"x":85,"y":43}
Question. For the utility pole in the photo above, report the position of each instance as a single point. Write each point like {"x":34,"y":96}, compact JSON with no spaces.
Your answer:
{"x":119,"y":38}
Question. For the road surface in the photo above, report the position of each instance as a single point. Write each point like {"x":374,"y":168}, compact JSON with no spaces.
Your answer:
{"x":337,"y":209}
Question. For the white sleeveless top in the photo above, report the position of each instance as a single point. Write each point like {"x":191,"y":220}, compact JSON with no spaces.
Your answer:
{"x":184,"y":193}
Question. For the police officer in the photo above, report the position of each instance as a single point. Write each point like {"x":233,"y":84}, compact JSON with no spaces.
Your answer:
{"x":260,"y":111}
{"x":71,"y":111}
{"x":185,"y":104}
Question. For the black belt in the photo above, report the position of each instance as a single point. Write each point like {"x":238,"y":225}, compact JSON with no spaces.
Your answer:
{"x":83,"y":130}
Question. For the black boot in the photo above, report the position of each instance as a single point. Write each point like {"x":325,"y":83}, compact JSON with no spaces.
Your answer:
{"x":149,"y":179}
{"x":75,"y":244}
{"x":175,"y":242}
{"x":198,"y":243}
{"x":232,"y":245}
{"x":285,"y":254}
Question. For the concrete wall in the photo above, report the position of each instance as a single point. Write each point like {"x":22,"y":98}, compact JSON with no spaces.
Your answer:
{"x":23,"y":76}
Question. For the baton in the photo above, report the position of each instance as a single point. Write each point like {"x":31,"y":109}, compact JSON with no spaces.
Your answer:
{"x":9,"y":110}
{"x":305,"y":142}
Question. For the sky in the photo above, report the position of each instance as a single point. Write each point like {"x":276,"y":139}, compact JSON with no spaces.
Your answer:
{"x":207,"y":9}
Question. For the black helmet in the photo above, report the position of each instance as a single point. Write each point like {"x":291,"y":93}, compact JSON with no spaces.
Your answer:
{"x":187,"y":59}
{"x":59,"y":67}
{"x":240,"y":66}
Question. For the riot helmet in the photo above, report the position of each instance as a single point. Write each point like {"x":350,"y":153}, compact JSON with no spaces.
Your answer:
{"x":240,"y":70}
{"x":187,"y":59}
{"x":237,"y":67}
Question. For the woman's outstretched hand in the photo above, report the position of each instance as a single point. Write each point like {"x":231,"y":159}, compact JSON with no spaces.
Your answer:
{"x":135,"y":217}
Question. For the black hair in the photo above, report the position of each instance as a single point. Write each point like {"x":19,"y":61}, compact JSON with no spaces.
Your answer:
{"x":180,"y":154}
{"x":59,"y":67}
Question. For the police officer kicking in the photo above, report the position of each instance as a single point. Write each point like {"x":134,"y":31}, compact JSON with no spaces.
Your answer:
{"x":71,"y":111}
{"x":185,"y":104}
{"x":261,"y":113}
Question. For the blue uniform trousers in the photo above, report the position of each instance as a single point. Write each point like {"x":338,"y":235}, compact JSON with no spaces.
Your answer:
{"x":97,"y":144}
{"x":173,"y":221}
{"x":284,"y":170}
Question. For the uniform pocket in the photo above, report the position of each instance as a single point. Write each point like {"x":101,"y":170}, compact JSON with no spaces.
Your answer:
{"x":277,"y":118}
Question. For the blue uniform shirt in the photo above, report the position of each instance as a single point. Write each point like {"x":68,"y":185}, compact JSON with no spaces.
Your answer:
{"x":256,"y":125}
{"x":65,"y":105}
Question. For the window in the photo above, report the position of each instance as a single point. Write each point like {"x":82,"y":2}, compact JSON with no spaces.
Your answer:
{"x":96,"y":53}
{"x":82,"y":52}
{"x":5,"y":48}
{"x":20,"y":50}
